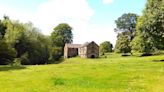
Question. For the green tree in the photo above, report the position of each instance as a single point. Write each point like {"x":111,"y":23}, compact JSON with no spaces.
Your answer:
{"x":7,"y":53}
{"x":32,"y":47}
{"x":105,"y":47}
{"x":127,"y":23}
{"x":150,"y":33}
{"x":153,"y":22}
{"x":61,"y":35}
{"x":126,"y":28}
{"x":143,"y":42}
{"x":123,"y":44}
{"x":55,"y":54}
{"x":3,"y":26}
{"x":2,"y":29}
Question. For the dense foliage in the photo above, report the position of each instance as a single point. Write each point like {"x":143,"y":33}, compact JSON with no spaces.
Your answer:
{"x":23,"y":43}
{"x":150,"y":28}
{"x":55,"y":54}
{"x":2,"y":29}
{"x":105,"y":47}
{"x":61,"y":35}
{"x":123,"y":43}
{"x":127,"y":23}
{"x":126,"y":28}
{"x":7,"y":53}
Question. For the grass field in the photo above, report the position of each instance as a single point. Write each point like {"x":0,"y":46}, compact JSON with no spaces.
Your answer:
{"x":112,"y":74}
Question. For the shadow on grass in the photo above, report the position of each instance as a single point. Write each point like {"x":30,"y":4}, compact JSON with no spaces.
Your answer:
{"x":7,"y":68}
{"x":159,"y":60}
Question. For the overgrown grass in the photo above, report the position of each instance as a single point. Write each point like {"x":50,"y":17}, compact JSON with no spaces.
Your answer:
{"x":111,"y":74}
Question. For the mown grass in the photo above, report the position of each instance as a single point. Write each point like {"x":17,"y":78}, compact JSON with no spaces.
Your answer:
{"x":111,"y":74}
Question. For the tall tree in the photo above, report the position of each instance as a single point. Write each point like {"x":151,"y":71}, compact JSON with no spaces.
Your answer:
{"x":143,"y":42}
{"x":7,"y":53}
{"x":2,"y":29}
{"x":61,"y":35}
{"x":126,"y":28}
{"x":3,"y":26}
{"x":150,"y":28}
{"x":126,"y":23}
{"x":105,"y":47}
{"x":123,"y":44}
{"x":31,"y":46}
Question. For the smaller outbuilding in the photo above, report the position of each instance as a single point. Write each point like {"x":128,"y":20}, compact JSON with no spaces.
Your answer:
{"x":86,"y":50}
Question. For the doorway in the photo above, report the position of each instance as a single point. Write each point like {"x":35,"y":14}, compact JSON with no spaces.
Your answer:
{"x":92,"y":56}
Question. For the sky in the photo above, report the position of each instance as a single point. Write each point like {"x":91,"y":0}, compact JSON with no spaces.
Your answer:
{"x":91,"y":20}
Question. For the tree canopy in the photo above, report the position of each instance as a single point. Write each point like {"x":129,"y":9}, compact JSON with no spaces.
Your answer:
{"x":24,"y":43}
{"x":2,"y":27}
{"x":123,"y":44}
{"x":126,"y":29}
{"x":7,"y":53}
{"x":127,"y":22}
{"x":105,"y":47}
{"x":150,"y":33}
{"x":61,"y":35}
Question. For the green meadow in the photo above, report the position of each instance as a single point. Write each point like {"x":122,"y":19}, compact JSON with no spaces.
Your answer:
{"x":111,"y":74}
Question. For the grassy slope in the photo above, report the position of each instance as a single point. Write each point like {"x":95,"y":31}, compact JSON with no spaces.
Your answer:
{"x":116,"y":74}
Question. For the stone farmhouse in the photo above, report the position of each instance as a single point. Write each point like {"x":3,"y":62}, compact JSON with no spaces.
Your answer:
{"x":87,"y":50}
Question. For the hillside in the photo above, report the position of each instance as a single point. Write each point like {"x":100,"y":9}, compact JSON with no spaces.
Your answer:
{"x":111,"y":74}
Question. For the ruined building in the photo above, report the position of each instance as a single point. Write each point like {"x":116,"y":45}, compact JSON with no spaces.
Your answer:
{"x":87,"y":50}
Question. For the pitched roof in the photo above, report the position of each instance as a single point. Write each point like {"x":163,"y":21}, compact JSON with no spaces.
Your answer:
{"x":79,"y":45}
{"x":73,"y":45}
{"x":85,"y":44}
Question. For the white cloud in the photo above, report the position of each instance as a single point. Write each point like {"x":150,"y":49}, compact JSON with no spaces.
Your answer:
{"x":54,"y":12}
{"x":15,"y":14}
{"x":77,"y":13}
{"x":77,"y":9}
{"x":98,"y":33}
{"x":107,"y":1}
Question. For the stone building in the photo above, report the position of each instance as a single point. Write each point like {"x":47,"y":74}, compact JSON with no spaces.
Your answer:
{"x":87,"y":50}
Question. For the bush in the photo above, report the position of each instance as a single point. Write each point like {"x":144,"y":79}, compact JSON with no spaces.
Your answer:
{"x":7,"y":54}
{"x":16,"y":62}
{"x":105,"y":47}
{"x":24,"y":59}
{"x":123,"y":44}
{"x":55,"y":54}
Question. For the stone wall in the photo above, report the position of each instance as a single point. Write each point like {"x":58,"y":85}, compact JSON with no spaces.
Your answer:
{"x":87,"y":50}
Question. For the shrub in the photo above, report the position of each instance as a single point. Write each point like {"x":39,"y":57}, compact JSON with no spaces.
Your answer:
{"x":16,"y":62}
{"x":7,"y":54}
{"x":55,"y":54}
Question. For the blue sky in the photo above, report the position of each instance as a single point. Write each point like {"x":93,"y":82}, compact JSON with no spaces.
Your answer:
{"x":90,"y":19}
{"x":105,"y":13}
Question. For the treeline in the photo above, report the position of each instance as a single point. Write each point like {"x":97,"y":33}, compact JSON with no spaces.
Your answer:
{"x":142,"y":34}
{"x":22,"y":43}
{"x":139,"y":34}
